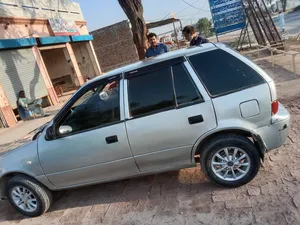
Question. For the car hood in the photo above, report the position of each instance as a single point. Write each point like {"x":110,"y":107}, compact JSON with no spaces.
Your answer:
{"x":33,"y":135}
{"x":15,"y":145}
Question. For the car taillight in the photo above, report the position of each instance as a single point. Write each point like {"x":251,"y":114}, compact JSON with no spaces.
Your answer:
{"x":275,"y":106}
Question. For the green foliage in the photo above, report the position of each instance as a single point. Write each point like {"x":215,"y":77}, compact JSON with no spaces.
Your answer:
{"x":296,"y":8}
{"x":204,"y":26}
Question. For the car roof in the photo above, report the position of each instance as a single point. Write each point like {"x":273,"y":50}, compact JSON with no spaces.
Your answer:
{"x":157,"y":59}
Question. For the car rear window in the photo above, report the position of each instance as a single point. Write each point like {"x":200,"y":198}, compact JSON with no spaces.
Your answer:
{"x":222,"y":73}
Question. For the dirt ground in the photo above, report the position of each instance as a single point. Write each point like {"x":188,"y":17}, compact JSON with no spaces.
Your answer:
{"x":186,"y":196}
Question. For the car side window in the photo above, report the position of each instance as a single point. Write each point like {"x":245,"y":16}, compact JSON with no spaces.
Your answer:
{"x":98,"y":106}
{"x":151,"y":92}
{"x":222,"y":73}
{"x":186,"y":91}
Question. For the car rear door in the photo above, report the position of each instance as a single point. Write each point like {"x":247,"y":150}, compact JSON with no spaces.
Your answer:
{"x":167,"y":110}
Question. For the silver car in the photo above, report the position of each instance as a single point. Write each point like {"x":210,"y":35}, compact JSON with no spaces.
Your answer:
{"x":153,"y":116}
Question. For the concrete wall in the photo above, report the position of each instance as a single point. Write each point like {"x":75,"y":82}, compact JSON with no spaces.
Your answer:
{"x":34,"y":9}
{"x":114,"y":46}
{"x":29,"y":18}
{"x":31,"y":30}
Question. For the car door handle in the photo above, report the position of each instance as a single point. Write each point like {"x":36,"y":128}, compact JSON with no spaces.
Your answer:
{"x":112,"y":139}
{"x":196,"y":119}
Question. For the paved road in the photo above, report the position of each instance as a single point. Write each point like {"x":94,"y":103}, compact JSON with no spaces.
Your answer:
{"x":292,"y":22}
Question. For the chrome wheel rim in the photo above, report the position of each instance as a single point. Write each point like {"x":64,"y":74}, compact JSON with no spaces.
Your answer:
{"x":24,"y":199}
{"x":230,"y":164}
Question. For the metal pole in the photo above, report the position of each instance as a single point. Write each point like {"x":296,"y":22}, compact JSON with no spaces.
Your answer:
{"x":248,"y":36}
{"x":176,"y":36}
{"x":294,"y":65}
{"x":217,"y":37}
{"x":272,"y":55}
{"x":239,"y":41}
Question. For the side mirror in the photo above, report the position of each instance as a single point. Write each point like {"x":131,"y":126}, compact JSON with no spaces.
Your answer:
{"x":65,"y":129}
{"x":49,"y":133}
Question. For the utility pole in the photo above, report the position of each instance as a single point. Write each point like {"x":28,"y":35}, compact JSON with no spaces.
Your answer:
{"x":176,"y":35}
{"x":175,"y":31}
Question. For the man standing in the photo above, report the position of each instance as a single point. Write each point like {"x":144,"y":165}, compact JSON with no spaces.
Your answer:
{"x":155,"y":48}
{"x":189,"y":32}
{"x":281,"y":20}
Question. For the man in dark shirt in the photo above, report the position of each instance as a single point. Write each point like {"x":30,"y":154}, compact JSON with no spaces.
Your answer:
{"x":189,"y":33}
{"x":155,"y":48}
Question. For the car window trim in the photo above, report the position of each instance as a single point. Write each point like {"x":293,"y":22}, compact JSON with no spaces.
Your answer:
{"x":61,"y":115}
{"x":193,"y":83}
{"x":151,"y":113}
{"x":168,"y":66}
{"x":176,"y":105}
{"x":185,"y":105}
{"x":153,"y":67}
{"x":90,"y":129}
{"x":173,"y":85}
{"x":228,"y":92}
{"x":188,"y":104}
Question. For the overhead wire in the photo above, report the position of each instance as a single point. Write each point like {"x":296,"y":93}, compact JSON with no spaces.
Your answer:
{"x":186,"y":8}
{"x":175,"y":13}
{"x":200,"y":9}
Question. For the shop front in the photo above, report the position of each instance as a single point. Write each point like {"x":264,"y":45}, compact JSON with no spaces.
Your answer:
{"x":45,"y":58}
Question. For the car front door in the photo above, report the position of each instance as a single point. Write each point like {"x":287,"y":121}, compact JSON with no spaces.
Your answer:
{"x":90,"y":143}
{"x":167,"y":110}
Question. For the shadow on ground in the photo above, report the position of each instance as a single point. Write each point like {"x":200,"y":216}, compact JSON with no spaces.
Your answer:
{"x":154,"y":189}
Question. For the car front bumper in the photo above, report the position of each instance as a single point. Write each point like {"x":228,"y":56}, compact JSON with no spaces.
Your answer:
{"x":275,"y":134}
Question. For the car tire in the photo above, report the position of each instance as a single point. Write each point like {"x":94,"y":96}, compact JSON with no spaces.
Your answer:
{"x":230,"y":160}
{"x":28,"y":196}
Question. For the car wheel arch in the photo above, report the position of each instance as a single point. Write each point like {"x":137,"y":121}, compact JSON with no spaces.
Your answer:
{"x":255,"y":138}
{"x":6,"y":177}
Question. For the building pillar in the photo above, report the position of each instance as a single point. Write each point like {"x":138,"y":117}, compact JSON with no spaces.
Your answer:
{"x":74,"y":62}
{"x":93,"y":57}
{"x":6,"y":110}
{"x":41,"y":64}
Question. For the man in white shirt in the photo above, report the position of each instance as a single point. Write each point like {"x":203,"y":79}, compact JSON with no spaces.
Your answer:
{"x":281,"y":21}
{"x":30,"y":105}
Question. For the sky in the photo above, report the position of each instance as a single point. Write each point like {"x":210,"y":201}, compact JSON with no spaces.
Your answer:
{"x":102,"y":13}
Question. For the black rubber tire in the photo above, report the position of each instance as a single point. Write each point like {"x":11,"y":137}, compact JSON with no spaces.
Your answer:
{"x":219,"y":142}
{"x":42,"y":194}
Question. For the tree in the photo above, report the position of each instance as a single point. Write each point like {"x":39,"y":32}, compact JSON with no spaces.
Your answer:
{"x":134,"y":11}
{"x":283,"y":4}
{"x":204,"y":27}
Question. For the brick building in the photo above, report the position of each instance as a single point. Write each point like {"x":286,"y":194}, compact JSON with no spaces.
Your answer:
{"x":114,"y":46}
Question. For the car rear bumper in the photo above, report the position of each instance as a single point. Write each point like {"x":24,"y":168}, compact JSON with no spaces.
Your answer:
{"x":274,"y":135}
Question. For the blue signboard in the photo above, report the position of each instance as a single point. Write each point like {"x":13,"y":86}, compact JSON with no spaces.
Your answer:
{"x":227,"y":15}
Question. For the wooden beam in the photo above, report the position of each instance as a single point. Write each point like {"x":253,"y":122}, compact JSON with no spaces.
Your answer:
{"x":20,"y":20}
{"x":52,"y":47}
